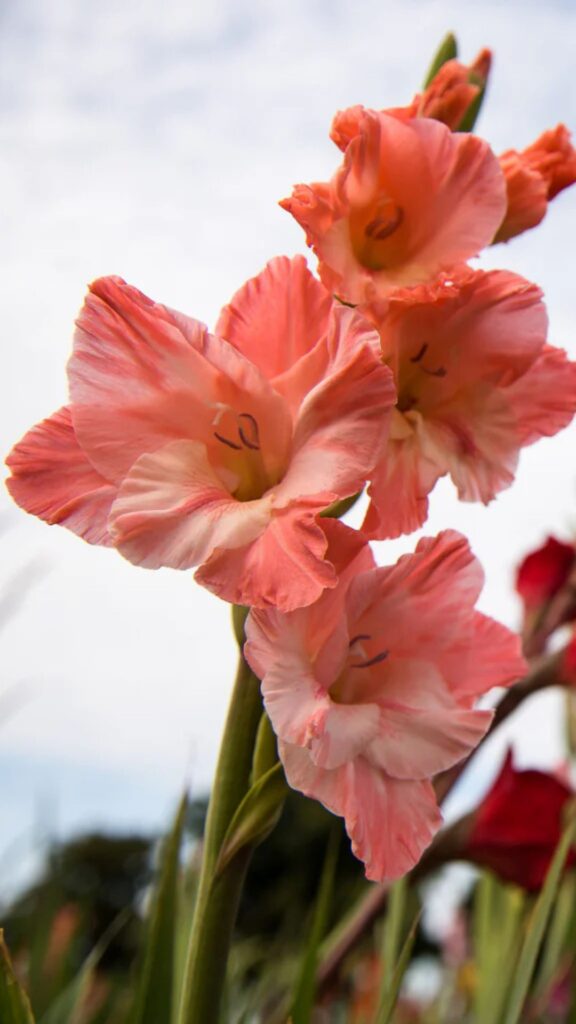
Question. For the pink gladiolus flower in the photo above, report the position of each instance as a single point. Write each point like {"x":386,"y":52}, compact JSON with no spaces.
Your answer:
{"x":410,"y":200}
{"x":533,"y":177}
{"x":371,"y":689}
{"x":476,"y":382}
{"x":178,"y":451}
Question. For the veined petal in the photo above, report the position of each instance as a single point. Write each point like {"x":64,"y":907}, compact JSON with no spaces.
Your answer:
{"x":142,"y":375}
{"x":343,"y":421}
{"x":172,"y":510}
{"x":52,"y":478}
{"x":295,"y":702}
{"x":544,"y":399}
{"x":283,"y":567}
{"x":423,"y":601}
{"x":317,"y":635}
{"x":277,"y":316}
{"x":494,"y":658}
{"x":390,"y":822}
{"x":479,"y":451}
{"x":343,"y":732}
{"x":399,"y":489}
{"x":423,"y":730}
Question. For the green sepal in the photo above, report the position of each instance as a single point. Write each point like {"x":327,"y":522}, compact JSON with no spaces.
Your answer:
{"x":448,"y":50}
{"x":255,"y":818}
{"x":339,"y":508}
{"x":471,"y":116}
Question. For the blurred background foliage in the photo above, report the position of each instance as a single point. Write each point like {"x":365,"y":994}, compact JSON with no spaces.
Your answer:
{"x":79,"y":937}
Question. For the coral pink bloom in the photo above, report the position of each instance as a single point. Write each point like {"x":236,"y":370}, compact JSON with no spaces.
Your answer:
{"x":447,"y":98}
{"x":476,"y":382}
{"x":517,"y":827}
{"x":410,"y":199}
{"x":371,"y":689}
{"x":533,"y":177}
{"x":177,"y":450}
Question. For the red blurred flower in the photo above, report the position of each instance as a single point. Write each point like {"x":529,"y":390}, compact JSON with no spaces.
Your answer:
{"x":517,"y":827}
{"x":544,"y":571}
{"x":545,"y":582}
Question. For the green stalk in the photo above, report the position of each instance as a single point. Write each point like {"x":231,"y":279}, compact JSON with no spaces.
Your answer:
{"x":218,"y":897}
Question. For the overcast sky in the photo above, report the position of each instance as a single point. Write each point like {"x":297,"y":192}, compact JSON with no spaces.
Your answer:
{"x":153,"y":140}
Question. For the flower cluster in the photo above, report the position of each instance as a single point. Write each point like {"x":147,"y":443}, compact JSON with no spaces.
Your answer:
{"x":400,"y":364}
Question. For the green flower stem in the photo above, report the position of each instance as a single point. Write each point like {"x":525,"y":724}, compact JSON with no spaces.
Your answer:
{"x":218,"y":898}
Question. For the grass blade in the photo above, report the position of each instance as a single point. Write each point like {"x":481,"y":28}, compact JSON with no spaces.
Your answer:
{"x":155,"y":992}
{"x":390,"y":995}
{"x":392,"y":937}
{"x":14,"y":1004}
{"x":66,"y":1008}
{"x":303,"y":998}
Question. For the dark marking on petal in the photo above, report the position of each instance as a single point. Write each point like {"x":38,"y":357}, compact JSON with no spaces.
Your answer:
{"x":253,"y":441}
{"x":360,"y":636}
{"x":382,"y":227}
{"x":420,"y":354}
{"x":225,"y":440}
{"x":371,"y":661}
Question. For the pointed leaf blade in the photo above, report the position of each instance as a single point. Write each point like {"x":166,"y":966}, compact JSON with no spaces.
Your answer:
{"x":14,"y":1004}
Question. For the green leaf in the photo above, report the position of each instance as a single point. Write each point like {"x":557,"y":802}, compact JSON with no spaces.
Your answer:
{"x":155,"y":991}
{"x":256,"y":816}
{"x":448,"y":50}
{"x":498,"y":919}
{"x":305,"y":990}
{"x":393,"y":925}
{"x":558,"y":938}
{"x":339,"y":508}
{"x":538,"y":922}
{"x":14,"y":1004}
{"x":391,"y":991}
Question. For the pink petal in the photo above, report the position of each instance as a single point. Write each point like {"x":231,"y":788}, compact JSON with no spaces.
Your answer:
{"x":343,"y":732}
{"x":477,"y":443}
{"x":343,"y":421}
{"x":284,"y":567}
{"x":494,"y":658}
{"x":316,"y":635}
{"x":142,"y":376}
{"x":423,"y":731}
{"x":296,"y":704}
{"x":172,"y":510}
{"x":390,"y":822}
{"x":544,"y":399}
{"x":278,"y":316}
{"x":421,"y":604}
{"x":53,"y":479}
{"x":399,"y":489}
